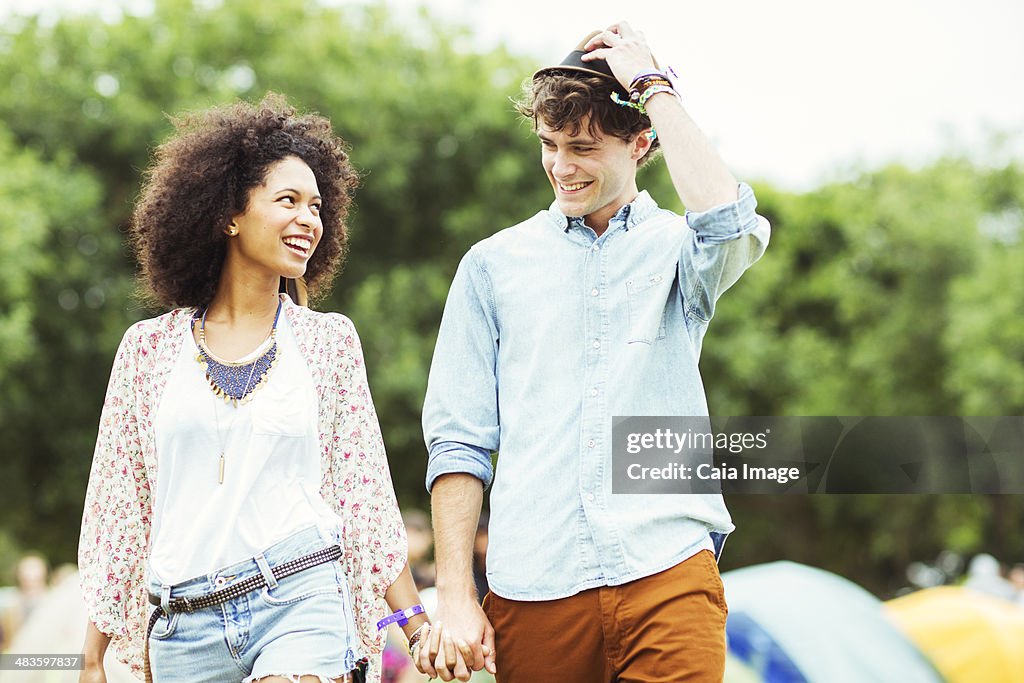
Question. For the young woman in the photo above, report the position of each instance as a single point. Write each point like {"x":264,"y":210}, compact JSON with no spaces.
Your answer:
{"x":240,"y":521}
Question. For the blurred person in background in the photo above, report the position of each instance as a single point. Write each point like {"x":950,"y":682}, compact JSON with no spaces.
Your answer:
{"x":270,"y":545}
{"x":31,"y":574}
{"x":593,"y":308}
{"x":985,"y":575}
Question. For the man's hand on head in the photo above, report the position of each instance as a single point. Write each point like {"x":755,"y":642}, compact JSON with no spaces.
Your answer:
{"x":624,"y":49}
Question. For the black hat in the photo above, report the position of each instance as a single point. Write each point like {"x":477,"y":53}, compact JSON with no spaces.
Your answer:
{"x":574,"y":63}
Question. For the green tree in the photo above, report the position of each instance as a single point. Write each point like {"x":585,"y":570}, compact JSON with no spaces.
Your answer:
{"x":55,"y":336}
{"x":896,"y":292}
{"x":985,"y":338}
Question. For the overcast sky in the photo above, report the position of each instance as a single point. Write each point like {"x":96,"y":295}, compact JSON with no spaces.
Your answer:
{"x":795,"y":91}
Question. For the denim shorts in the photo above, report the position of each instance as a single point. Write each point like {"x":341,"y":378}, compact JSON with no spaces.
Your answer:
{"x":302,"y":626}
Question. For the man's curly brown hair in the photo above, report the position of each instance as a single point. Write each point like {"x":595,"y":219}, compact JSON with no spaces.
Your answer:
{"x":200,"y":179}
{"x":563,"y":99}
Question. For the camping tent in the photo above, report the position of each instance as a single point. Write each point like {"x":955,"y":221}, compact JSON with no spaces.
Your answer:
{"x":797,"y":624}
{"x":969,"y":636}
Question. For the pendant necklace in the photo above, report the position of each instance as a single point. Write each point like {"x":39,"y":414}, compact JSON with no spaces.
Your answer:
{"x":225,"y":377}
{"x":220,"y":445}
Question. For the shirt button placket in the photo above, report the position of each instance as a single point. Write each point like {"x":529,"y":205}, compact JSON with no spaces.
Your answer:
{"x":595,"y":314}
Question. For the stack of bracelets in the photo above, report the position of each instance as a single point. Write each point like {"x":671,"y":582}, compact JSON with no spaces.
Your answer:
{"x":415,"y":639}
{"x":645,"y":85}
{"x":401,"y":617}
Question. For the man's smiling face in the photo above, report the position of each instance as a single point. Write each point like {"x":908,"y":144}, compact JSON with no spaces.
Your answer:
{"x":593,"y":175}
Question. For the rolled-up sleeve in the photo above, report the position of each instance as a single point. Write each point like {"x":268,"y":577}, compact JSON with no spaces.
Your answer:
{"x":727,"y":221}
{"x":460,"y":411}
{"x":726,"y":240}
{"x":449,"y":457}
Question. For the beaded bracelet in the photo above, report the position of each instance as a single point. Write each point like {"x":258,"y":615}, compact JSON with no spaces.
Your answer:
{"x":414,"y":639}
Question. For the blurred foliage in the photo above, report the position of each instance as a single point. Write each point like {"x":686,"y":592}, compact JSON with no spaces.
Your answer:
{"x":898,"y":292}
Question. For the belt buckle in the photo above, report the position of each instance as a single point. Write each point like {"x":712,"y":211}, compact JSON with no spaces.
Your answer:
{"x":186,"y":606}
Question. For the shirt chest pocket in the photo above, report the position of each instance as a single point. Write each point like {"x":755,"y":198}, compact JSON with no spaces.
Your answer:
{"x":280,"y":411}
{"x":646,"y":298}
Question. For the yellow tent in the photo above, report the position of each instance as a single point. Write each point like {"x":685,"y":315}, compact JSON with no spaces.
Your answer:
{"x":968,"y":636}
{"x":738,"y":672}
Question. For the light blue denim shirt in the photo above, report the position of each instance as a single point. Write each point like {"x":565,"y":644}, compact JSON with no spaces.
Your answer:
{"x":548,"y":332}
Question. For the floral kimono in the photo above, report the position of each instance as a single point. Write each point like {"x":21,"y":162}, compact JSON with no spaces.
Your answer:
{"x":115,"y":539}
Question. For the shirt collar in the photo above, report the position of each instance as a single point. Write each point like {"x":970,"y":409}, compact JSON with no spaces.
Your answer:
{"x":630,"y":215}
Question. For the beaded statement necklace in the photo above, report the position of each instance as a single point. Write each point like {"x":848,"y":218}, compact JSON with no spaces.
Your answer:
{"x":236,"y":382}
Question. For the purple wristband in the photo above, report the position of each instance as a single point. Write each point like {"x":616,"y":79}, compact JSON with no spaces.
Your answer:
{"x":401,"y":617}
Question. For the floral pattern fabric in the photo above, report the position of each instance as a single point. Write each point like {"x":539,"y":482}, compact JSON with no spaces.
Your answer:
{"x":115,"y":537}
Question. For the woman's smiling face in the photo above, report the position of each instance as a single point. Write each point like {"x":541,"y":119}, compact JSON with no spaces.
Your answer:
{"x":280,"y":227}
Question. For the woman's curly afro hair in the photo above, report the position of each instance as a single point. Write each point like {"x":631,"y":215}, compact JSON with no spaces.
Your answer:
{"x":200,"y":179}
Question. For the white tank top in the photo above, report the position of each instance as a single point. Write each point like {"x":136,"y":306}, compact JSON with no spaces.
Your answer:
{"x":272,"y":472}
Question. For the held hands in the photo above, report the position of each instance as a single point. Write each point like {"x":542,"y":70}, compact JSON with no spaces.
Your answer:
{"x":624,"y":49}
{"x":437,"y":655}
{"x":455,"y":647}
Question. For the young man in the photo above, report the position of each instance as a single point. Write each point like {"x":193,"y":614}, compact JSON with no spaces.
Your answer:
{"x":594,"y":308}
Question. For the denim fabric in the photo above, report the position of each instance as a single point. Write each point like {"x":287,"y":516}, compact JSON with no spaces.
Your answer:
{"x":548,"y":332}
{"x":302,"y":626}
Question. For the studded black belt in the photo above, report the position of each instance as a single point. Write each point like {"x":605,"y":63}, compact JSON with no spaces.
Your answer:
{"x":254,"y":582}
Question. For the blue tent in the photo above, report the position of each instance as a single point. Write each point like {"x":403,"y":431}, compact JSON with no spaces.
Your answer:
{"x":797,"y":624}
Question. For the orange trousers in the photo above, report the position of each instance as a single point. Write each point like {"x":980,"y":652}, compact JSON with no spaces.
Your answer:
{"x":663,"y":628}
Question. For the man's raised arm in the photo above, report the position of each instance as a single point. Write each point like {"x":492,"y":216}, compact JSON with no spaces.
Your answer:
{"x":698,"y":173}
